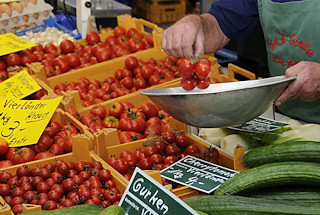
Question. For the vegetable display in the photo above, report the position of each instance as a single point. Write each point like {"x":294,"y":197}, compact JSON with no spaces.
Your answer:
{"x":55,"y":140}
{"x":60,"y":185}
{"x":135,"y":76}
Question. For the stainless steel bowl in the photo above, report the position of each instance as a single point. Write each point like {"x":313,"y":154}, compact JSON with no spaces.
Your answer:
{"x":221,"y":104}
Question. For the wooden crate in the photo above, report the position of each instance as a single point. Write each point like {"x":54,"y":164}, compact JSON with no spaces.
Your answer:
{"x":161,"y":11}
{"x":107,"y":145}
{"x":80,"y":152}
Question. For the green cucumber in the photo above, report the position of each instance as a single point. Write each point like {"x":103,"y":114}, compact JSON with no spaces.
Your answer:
{"x":297,"y":194}
{"x":272,"y":175}
{"x":288,"y":151}
{"x":235,"y":205}
{"x":73,"y":210}
{"x":112,"y":210}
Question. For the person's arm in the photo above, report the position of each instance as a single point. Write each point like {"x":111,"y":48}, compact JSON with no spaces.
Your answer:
{"x":307,"y":85}
{"x":194,"y":35}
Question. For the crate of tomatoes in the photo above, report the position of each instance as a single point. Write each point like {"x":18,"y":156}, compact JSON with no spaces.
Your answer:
{"x":158,"y":152}
{"x":134,"y":116}
{"x":76,"y":178}
{"x":55,"y":140}
{"x":129,"y":37}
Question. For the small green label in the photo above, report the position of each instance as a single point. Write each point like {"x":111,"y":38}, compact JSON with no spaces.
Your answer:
{"x":198,"y":174}
{"x":259,"y":125}
{"x":145,"y":196}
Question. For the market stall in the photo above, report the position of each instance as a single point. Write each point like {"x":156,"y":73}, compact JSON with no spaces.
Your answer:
{"x":109,"y":123}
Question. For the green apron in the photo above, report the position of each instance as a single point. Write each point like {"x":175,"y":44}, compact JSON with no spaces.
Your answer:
{"x":292,"y":32}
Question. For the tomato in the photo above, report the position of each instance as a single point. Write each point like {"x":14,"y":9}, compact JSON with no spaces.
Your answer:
{"x":170,"y":160}
{"x":128,"y":136}
{"x":168,"y":136}
{"x":111,"y":40}
{"x":130,"y":159}
{"x":26,"y":59}
{"x":68,"y":184}
{"x":153,"y":120}
{"x":145,"y":163}
{"x":67,"y":46}
{"x":104,"y":175}
{"x":131,"y":62}
{"x":135,"y":44}
{"x":49,"y":47}
{"x":203,"y":84}
{"x":110,"y":122}
{"x":156,"y":159}
{"x":60,"y":63}
{"x":211,"y":155}
{"x":73,"y":60}
{"x":50,"y":205}
{"x":44,"y":143}
{"x":92,"y":38}
{"x":44,"y":155}
{"x":14,"y":182}
{"x":202,"y":70}
{"x":187,"y":68}
{"x":66,"y":202}
{"x":127,"y":82}
{"x":153,"y":130}
{"x":64,"y":138}
{"x":188,"y":83}
{"x":4,"y":147}
{"x":150,"y":110}
{"x":146,"y":71}
{"x":4,"y":189}
{"x":116,"y":109}
{"x":103,"y":54}
{"x":119,"y":31}
{"x":3,"y":75}
{"x":132,"y":121}
{"x":63,"y":168}
{"x":29,"y":196}
{"x":182,"y":140}
{"x":192,"y":150}
{"x":38,"y":56}
{"x":22,"y":171}
{"x":99,"y":111}
{"x":121,"y":166}
{"x":18,"y":191}
{"x":140,"y":83}
{"x":43,"y":187}
{"x":13,"y":59}
{"x":22,"y":155}
{"x":58,"y":188}
{"x":45,"y":173}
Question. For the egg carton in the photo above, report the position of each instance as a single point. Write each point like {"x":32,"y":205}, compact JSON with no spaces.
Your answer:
{"x":18,"y":19}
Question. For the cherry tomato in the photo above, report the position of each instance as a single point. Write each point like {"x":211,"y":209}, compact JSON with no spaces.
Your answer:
{"x":170,"y":160}
{"x":13,"y":59}
{"x":182,"y":140}
{"x":131,"y":62}
{"x":68,"y":184}
{"x":168,"y":136}
{"x":121,"y":166}
{"x":156,"y":159}
{"x":145,"y":163}
{"x":203,"y":84}
{"x":192,"y":150}
{"x":43,"y":187}
{"x":188,"y":83}
{"x":172,"y":150}
{"x":202,"y":70}
{"x":4,"y":189}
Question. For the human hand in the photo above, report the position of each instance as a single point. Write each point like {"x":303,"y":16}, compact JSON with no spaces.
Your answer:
{"x":306,"y":87}
{"x":185,"y":38}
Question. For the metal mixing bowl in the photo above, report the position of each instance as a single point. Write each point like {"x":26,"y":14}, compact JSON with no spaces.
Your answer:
{"x":221,"y":104}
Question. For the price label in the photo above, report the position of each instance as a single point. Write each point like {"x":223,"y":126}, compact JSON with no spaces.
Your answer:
{"x":23,"y":121}
{"x":144,"y":195}
{"x":10,"y":43}
{"x":19,"y":86}
{"x":259,"y":125}
{"x":198,"y":174}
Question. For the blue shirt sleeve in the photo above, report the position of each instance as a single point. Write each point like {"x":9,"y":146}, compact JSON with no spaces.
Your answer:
{"x":237,"y":18}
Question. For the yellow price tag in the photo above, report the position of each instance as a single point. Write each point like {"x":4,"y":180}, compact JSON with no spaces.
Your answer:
{"x":10,"y":43}
{"x":19,"y":86}
{"x":23,"y":121}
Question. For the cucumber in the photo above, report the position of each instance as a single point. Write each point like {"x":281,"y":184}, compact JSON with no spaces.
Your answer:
{"x":297,"y":194}
{"x":235,"y":205}
{"x":201,"y":213}
{"x":73,"y":210}
{"x":113,"y":210}
{"x":288,"y":151}
{"x":272,"y":175}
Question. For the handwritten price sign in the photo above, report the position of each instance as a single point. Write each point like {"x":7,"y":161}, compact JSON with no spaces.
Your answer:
{"x":23,"y":121}
{"x":10,"y":43}
{"x":19,"y":86}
